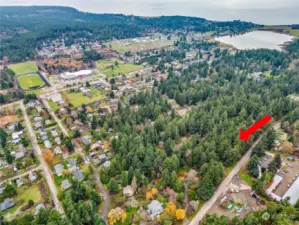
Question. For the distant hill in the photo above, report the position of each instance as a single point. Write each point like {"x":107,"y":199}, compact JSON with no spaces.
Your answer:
{"x":25,"y":28}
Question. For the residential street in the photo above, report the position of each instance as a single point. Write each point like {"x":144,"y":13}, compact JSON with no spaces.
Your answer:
{"x":46,"y":169}
{"x":102,"y":189}
{"x":52,"y":113}
{"x":223,"y":187}
{"x":24,"y":174}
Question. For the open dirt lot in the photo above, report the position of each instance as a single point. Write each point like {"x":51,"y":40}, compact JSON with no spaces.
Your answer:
{"x":4,"y":120}
{"x":238,"y":199}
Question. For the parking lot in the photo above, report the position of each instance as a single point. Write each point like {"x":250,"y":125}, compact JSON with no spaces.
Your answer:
{"x":289,"y":173}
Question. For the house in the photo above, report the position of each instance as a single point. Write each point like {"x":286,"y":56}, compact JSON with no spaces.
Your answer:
{"x":58,"y":141}
{"x":58,"y":169}
{"x":78,"y":175}
{"x":47,"y":144}
{"x":16,"y":137}
{"x":7,"y":204}
{"x":57,"y":150}
{"x":39,"y":207}
{"x":154,"y":209}
{"x":128,"y":191}
{"x":37,"y":119}
{"x":38,"y":125}
{"x":32,"y":176}
{"x":72,"y":162}
{"x":44,"y":137}
{"x":103,"y":158}
{"x":54,"y":133}
{"x":19,"y":155}
{"x":86,"y":139}
{"x":19,"y":182}
{"x":65,"y":185}
{"x":12,"y":126}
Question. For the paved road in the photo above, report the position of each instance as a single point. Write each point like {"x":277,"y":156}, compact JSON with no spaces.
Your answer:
{"x":11,"y":104}
{"x":24,"y":174}
{"x":57,"y":120}
{"x":223,"y":187}
{"x":43,"y":164}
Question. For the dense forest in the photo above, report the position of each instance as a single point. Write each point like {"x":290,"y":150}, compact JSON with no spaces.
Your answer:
{"x":23,"y":29}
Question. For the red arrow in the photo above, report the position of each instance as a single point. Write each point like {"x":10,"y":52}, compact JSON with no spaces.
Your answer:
{"x":245,"y":134}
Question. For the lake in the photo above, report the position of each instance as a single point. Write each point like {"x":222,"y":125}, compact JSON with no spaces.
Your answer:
{"x":256,"y":39}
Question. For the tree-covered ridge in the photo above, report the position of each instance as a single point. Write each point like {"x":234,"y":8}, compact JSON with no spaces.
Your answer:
{"x":25,"y":28}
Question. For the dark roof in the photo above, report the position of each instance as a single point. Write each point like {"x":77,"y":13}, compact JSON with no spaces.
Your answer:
{"x":7,"y":204}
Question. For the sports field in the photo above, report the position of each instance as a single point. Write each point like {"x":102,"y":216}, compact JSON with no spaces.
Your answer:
{"x":115,"y":67}
{"x":23,"y":68}
{"x":29,"y":81}
{"x":78,"y":99}
{"x":141,"y":44}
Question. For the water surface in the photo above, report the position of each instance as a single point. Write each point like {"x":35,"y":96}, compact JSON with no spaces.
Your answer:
{"x":256,"y":39}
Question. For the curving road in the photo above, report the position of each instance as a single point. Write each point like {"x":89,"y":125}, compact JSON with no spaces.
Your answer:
{"x":43,"y":164}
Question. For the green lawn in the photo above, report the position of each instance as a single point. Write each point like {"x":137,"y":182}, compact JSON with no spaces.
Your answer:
{"x":246,"y":177}
{"x":54,"y":105}
{"x":22,"y":68}
{"x":153,"y":42}
{"x":77,"y":98}
{"x":112,"y":69}
{"x":30,"y":80}
{"x":25,"y":193}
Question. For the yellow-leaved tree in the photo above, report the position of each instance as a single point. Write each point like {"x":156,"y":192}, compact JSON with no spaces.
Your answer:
{"x":170,"y":208}
{"x":116,"y":215}
{"x":180,"y":214}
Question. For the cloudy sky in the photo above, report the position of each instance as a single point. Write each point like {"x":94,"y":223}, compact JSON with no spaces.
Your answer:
{"x":258,"y":11}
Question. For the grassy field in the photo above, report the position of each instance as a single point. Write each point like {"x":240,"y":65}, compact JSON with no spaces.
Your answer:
{"x":141,"y":44}
{"x":77,"y":98}
{"x":110,"y":67}
{"x":201,"y":35}
{"x":22,"y":68}
{"x":283,"y":29}
{"x":30,"y":80}
{"x":246,"y":177}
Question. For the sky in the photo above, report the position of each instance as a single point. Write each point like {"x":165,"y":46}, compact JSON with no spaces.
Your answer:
{"x":257,"y":11}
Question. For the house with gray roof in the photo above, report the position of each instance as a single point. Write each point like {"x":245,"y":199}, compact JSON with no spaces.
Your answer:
{"x":58,"y":169}
{"x":72,"y":162}
{"x":57,"y":150}
{"x":47,"y":144}
{"x":154,"y":209}
{"x":65,"y":185}
{"x":7,"y":204}
{"x":19,"y":155}
{"x":58,"y":141}
{"x":39,"y":207}
{"x":78,"y":175}
{"x":86,"y":139}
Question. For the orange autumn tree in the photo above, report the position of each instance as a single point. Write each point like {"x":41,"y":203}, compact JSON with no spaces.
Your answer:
{"x":151,"y":193}
{"x":116,"y":215}
{"x":48,"y":156}
{"x":180,"y":214}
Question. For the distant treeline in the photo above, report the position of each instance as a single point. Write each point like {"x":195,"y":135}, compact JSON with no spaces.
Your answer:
{"x":26,"y":28}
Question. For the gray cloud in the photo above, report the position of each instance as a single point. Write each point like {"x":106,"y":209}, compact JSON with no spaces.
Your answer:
{"x":259,"y":11}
